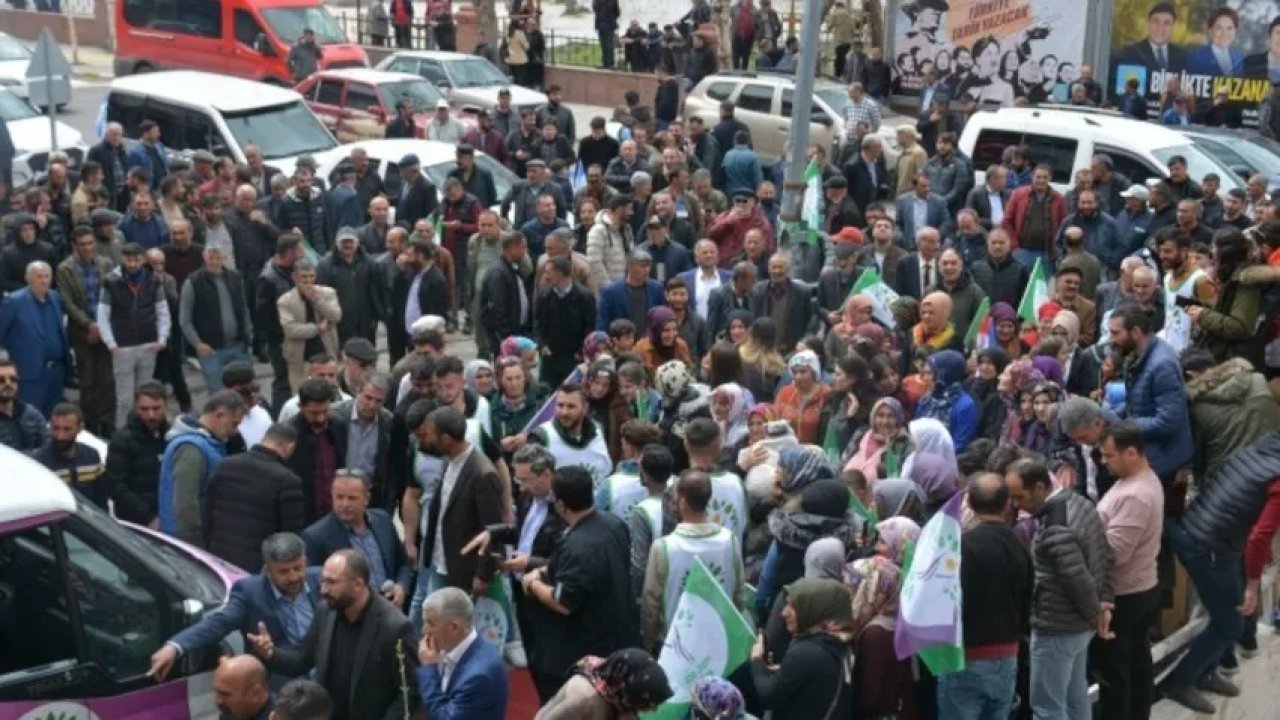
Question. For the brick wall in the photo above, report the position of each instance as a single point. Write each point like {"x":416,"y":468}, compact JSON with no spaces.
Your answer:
{"x":27,"y":24}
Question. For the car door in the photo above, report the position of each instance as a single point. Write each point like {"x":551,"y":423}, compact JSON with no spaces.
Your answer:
{"x":356,"y":121}
{"x":248,"y":40}
{"x":820,"y":129}
{"x":769,"y":130}
{"x":325,"y":100}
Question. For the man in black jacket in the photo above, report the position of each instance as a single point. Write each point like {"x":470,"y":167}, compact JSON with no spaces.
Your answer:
{"x":418,"y":198}
{"x":841,"y":211}
{"x":354,"y":628}
{"x":133,"y":457}
{"x":867,"y":174}
{"x":302,"y":210}
{"x":730,"y":296}
{"x":253,"y":237}
{"x":564,"y":314}
{"x":321,"y":448}
{"x":666,"y":99}
{"x":275,"y":280}
{"x":505,"y":293}
{"x":795,"y":297}
{"x":367,"y":425}
{"x":999,"y":274}
{"x":419,"y":289}
{"x":403,"y":125}
{"x":76,"y":464}
{"x":253,"y":495}
{"x":214,"y":318}
{"x":349,"y":271}
{"x":111,"y":156}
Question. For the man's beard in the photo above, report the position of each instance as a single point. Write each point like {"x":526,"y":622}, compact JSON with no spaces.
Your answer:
{"x":64,"y":446}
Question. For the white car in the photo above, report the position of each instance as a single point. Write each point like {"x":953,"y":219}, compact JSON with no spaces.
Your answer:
{"x":31,"y":139}
{"x":467,"y":80}
{"x":438,"y":160}
{"x":15,"y":57}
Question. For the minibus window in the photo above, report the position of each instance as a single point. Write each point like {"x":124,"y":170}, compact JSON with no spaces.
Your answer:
{"x":247,"y":28}
{"x":121,"y":615}
{"x":202,"y":18}
{"x":289,"y":22}
{"x":35,"y":626}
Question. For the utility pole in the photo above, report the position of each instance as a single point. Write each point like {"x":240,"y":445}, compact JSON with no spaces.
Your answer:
{"x":801,"y":112}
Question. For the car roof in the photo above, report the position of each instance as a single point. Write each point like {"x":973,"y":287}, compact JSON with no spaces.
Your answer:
{"x":1109,"y":127}
{"x":434,"y":54}
{"x":369,"y":75}
{"x":35,"y":496}
{"x":772,"y":78}
{"x":429,"y":152}
{"x":201,"y":89}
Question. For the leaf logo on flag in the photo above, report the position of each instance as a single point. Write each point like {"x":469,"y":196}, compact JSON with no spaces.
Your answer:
{"x":930,"y":622}
{"x":1036,"y":294}
{"x":882,"y":296}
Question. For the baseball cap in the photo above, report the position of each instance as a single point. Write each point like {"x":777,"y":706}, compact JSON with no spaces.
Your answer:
{"x":347,"y":233}
{"x":1136,"y":191}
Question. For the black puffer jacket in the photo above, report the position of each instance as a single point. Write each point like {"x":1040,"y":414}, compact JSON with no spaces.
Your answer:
{"x":133,"y":470}
{"x":306,"y":213}
{"x":1073,"y":565}
{"x":1222,"y":515}
{"x":251,"y":496}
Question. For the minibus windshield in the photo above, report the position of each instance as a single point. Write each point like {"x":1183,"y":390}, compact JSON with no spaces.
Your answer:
{"x":289,"y":22}
{"x":280,"y":130}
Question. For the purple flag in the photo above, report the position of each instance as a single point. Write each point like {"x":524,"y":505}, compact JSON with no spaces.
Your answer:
{"x":548,"y":409}
{"x":930,"y":622}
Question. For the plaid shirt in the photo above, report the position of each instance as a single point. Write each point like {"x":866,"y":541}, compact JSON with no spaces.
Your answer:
{"x":90,"y":276}
{"x":867,"y":111}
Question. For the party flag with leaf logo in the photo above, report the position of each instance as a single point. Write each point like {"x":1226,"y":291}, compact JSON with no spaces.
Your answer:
{"x":708,"y":636}
{"x":981,"y":333}
{"x":870,"y":284}
{"x":930,"y":624}
{"x":1036,"y":294}
{"x":813,"y":200}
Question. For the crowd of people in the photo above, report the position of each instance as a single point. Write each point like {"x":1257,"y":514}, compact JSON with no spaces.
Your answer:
{"x":662,"y":380}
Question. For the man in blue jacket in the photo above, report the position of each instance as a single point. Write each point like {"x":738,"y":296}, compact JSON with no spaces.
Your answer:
{"x":632,"y":296}
{"x":196,"y":447}
{"x":462,"y":676}
{"x":31,"y":330}
{"x":283,"y":598}
{"x":1156,"y":400}
{"x":149,"y":154}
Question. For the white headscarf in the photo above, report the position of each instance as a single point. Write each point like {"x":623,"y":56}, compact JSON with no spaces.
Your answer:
{"x":929,"y":437}
{"x":734,"y":427}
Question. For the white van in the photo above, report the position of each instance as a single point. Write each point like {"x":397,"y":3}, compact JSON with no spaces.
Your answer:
{"x":1067,"y":138}
{"x":84,"y":602}
{"x":221,"y":114}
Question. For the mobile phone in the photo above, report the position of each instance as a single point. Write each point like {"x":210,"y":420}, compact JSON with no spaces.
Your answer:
{"x":1186,"y":302}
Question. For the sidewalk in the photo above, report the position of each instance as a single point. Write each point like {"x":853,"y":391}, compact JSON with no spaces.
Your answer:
{"x":90,"y":63}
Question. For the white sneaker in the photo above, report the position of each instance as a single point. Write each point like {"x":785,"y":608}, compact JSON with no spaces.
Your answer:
{"x":514,"y":653}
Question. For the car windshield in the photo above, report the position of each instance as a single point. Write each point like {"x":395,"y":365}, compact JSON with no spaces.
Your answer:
{"x":281,"y":131}
{"x":1199,"y":164}
{"x":14,"y":108}
{"x":289,"y":22}
{"x":474,"y":72}
{"x":11,"y":49}
{"x":835,"y":98}
{"x":181,"y":569}
{"x":1259,"y":153}
{"x":503,"y":178}
{"x":422,"y":95}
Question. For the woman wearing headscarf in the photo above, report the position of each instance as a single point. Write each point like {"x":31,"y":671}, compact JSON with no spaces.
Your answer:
{"x":847,"y":408}
{"x":605,"y":404}
{"x":1006,"y":322}
{"x":882,"y":682}
{"x":627,"y":682}
{"x":894,"y":536}
{"x":478,"y":377}
{"x":663,"y":343}
{"x":839,"y":342}
{"x":929,"y":437}
{"x":513,"y":405}
{"x":738,"y":328}
{"x":824,"y":558}
{"x":800,"y":401}
{"x":884,"y":445}
{"x":682,"y":401}
{"x":983,"y":387}
{"x":948,"y":402}
{"x":1044,"y":317}
{"x":814,"y":679}
{"x":1019,"y":375}
{"x":761,"y":363}
{"x":1081,"y":369}
{"x":593,"y":346}
{"x":714,"y":698}
{"x":729,"y":405}
{"x":935,"y":330}
{"x":936,"y":478}
{"x":1049,"y":368}
{"x":1041,"y":433}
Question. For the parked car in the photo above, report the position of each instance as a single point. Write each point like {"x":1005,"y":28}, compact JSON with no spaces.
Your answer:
{"x":1244,"y":151}
{"x":1067,"y":138}
{"x":244,"y":38}
{"x":762,"y":101}
{"x":85,"y":600}
{"x":15,"y":57}
{"x":32,"y":141}
{"x":467,"y":80}
{"x":356,"y":104}
{"x":438,"y":159}
{"x":201,"y":111}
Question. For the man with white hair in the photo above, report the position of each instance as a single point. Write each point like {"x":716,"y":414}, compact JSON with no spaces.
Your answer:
{"x":31,"y":330}
{"x":618,"y":174}
{"x":111,"y":156}
{"x":461,"y":675}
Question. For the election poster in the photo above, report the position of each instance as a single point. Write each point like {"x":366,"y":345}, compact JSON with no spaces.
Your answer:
{"x":994,"y":51}
{"x":1220,"y":56}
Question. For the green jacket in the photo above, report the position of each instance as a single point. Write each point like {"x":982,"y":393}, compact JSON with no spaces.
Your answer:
{"x":1231,"y":407}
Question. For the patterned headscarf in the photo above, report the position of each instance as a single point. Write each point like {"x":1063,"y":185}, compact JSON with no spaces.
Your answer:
{"x":872,"y":332}
{"x":897,"y":533}
{"x":734,"y":427}
{"x":805,"y":465}
{"x":714,"y":698}
{"x":764,"y":410}
{"x":515,"y":346}
{"x":596,"y":343}
{"x":473,"y":369}
{"x":629,"y":680}
{"x":809,"y":359}
{"x":1023,"y":374}
{"x":875,"y":582}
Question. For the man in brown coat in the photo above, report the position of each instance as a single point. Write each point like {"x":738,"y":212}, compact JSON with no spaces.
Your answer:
{"x":80,"y":279}
{"x":309,"y":315}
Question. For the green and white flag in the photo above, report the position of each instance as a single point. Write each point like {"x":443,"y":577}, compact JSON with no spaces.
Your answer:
{"x":870,"y":284}
{"x":1036,"y":294}
{"x":708,"y":636}
{"x":812,"y":211}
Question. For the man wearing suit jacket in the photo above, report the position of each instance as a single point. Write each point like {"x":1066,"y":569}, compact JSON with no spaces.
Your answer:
{"x":782,"y":294}
{"x":841,"y":210}
{"x":1155,"y":52}
{"x":867,"y":174}
{"x":990,"y":198}
{"x":506,"y":300}
{"x":419,"y":289}
{"x":733,"y":295}
{"x":417,"y":195}
{"x":883,"y":253}
{"x":921,"y":208}
{"x":110,"y":154}
{"x":31,"y":330}
{"x":360,"y":646}
{"x":468,"y":500}
{"x":614,"y":296}
{"x":462,"y":676}
{"x":918,"y":271}
{"x":705,"y":279}
{"x":283,"y":598}
{"x":370,"y":531}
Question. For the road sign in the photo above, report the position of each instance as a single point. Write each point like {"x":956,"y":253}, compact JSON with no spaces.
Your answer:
{"x":49,"y":74}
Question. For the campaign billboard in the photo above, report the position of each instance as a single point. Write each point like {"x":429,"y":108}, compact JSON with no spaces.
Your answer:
{"x":993,"y":51}
{"x":1199,"y":48}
